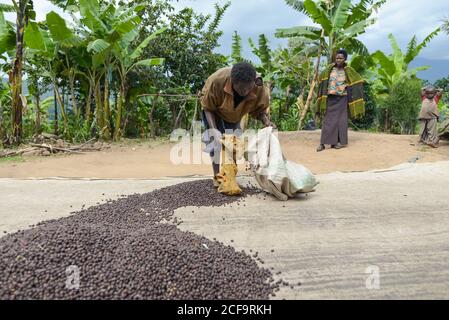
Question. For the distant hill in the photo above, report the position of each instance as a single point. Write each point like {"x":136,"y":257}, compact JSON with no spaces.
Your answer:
{"x":439,"y":69}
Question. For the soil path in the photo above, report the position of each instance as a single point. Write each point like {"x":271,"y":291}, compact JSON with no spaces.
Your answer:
{"x":147,"y":160}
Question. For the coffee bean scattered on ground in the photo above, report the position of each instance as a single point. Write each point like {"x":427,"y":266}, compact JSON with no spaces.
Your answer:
{"x":130,"y":248}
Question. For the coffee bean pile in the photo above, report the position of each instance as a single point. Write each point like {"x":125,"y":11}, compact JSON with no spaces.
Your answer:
{"x":131,"y":248}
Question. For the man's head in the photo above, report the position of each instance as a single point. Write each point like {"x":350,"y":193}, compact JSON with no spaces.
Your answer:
{"x":243,"y":78}
{"x":430,"y":91}
{"x":340,"y":57}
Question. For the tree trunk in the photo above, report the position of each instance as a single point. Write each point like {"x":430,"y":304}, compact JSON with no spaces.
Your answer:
{"x":127,"y":110}
{"x":150,"y":117}
{"x":270,"y":89}
{"x":387,"y":121}
{"x":300,"y":101}
{"x":16,"y":83}
{"x":312,"y":87}
{"x":61,"y":103}
{"x":118,"y":115}
{"x":72,"y":93}
{"x":173,"y":112}
{"x":99,"y":108}
{"x":2,"y":133}
{"x":89,"y":100}
{"x":287,"y":96}
{"x":37,"y":126}
{"x":107,"y":110}
{"x":56,"y":114}
{"x":178,"y":117}
{"x":195,"y":113}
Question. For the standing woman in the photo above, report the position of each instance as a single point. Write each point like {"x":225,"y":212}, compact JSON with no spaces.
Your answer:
{"x":340,"y":89}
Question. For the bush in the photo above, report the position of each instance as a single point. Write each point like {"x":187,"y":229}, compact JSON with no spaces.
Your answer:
{"x":285,"y":120}
{"x":398,"y":112}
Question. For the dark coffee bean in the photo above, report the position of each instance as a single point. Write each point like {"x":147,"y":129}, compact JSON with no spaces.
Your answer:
{"x":124,"y":254}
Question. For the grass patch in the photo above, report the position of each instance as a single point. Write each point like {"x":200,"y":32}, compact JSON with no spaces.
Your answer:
{"x":12,"y":159}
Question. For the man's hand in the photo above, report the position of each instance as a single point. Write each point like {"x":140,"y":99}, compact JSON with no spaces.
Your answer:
{"x":212,"y":139}
{"x":270,"y":124}
{"x":216,"y":134}
{"x":263,"y":117}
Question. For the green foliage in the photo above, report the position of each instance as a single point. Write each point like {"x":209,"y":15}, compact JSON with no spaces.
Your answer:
{"x":6,"y":8}
{"x":12,"y":159}
{"x":58,"y":28}
{"x":340,"y":23}
{"x":187,"y":45}
{"x":104,"y":62}
{"x":236,"y":55}
{"x":391,"y":69}
{"x":265,"y":55}
{"x":445,"y":25}
{"x":398,"y":112}
{"x":162,"y":117}
{"x":391,"y":77}
{"x":443,"y":105}
{"x":444,"y":84}
{"x":7,"y":35}
{"x":5,"y":111}
{"x":289,"y":119}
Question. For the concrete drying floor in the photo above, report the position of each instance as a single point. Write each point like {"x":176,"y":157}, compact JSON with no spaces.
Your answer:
{"x":333,"y":241}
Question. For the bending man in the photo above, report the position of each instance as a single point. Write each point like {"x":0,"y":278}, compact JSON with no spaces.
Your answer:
{"x":228,"y":95}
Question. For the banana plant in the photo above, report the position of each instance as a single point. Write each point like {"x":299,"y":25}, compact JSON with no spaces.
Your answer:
{"x":340,"y":22}
{"x":127,"y":61}
{"x":388,"y":70}
{"x":7,"y":33}
{"x":5,"y":99}
{"x":52,"y":45}
{"x":110,"y":31}
{"x":24,"y":13}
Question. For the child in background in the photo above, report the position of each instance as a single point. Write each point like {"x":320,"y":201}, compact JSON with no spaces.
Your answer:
{"x":429,"y":115}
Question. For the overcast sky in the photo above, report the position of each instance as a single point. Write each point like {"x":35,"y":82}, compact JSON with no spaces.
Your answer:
{"x":403,"y":18}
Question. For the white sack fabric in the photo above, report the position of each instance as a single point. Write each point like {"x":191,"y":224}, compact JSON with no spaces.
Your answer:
{"x":276,"y":175}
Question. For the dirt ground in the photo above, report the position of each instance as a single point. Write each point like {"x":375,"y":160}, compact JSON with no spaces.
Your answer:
{"x":385,"y":224}
{"x":391,"y":218}
{"x":151,"y":159}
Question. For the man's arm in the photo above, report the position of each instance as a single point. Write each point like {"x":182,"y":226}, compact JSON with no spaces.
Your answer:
{"x":439,"y":92}
{"x":263,"y":117}
{"x":210,"y":117}
{"x":213,"y":130}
